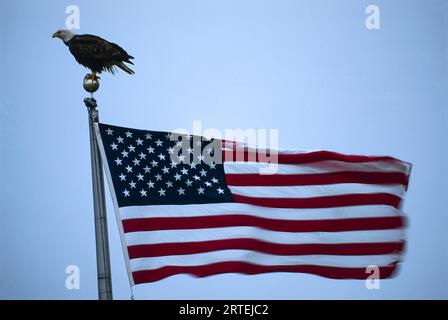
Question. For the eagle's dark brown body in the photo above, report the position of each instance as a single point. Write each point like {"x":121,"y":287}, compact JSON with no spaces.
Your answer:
{"x":98,"y":54}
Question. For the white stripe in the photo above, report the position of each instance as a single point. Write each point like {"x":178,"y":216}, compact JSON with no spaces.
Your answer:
{"x":316,"y":190}
{"x":397,"y":164}
{"x":215,"y":209}
{"x":327,"y":166}
{"x":172,"y":236}
{"x":261,"y":259}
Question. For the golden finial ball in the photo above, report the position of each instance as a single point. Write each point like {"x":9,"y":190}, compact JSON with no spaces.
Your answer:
{"x":91,"y":85}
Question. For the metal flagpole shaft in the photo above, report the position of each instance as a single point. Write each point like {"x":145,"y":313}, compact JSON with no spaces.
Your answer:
{"x":101,"y":234}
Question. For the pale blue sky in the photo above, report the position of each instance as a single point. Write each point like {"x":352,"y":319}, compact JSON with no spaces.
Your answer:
{"x":309,"y":68}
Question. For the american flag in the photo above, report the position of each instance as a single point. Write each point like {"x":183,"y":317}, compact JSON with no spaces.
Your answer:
{"x":322,"y":212}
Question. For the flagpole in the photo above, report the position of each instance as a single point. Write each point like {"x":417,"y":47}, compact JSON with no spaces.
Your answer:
{"x":99,"y":204}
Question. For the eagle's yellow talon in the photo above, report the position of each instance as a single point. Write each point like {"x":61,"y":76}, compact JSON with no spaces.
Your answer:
{"x":92,"y":77}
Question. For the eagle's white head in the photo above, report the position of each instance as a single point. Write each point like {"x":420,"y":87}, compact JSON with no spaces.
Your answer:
{"x":64,"y":34}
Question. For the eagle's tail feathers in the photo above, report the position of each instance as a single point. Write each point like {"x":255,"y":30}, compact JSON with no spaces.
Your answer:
{"x":124,"y":67}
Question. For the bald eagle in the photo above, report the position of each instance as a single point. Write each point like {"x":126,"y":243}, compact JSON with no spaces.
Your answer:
{"x":95,"y":53}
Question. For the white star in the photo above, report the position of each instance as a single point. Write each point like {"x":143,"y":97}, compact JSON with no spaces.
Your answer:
{"x":165,"y":170}
{"x":200,"y":190}
{"x":220,"y":191}
{"x":109,"y":132}
{"x":150,"y":150}
{"x":126,"y":193}
{"x":150,"y":184}
{"x":132,"y":184}
{"x":129,"y":169}
{"x":189,"y":150}
{"x":158,"y":177}
{"x":177,"y":177}
{"x":128,"y":134}
{"x":159,"y":143}
{"x":122,"y":177}
{"x":198,"y":143}
{"x":196,"y":177}
{"x":124,"y":153}
{"x":201,"y":158}
{"x":162,"y":192}
{"x":139,"y":142}
{"x":168,"y":136}
{"x":214,"y":180}
{"x":203,"y":173}
{"x":181,"y":158}
{"x":179,"y":143}
{"x":189,"y":183}
{"x":161,"y":157}
{"x":184,"y":171}
{"x":181,"y":191}
{"x":142,"y":155}
{"x":173,"y":164}
{"x":193,"y":165}
{"x":212,"y":165}
{"x":170,"y":150}
{"x":143,"y":193}
{"x":131,"y":148}
{"x":120,"y":140}
{"x":140,"y":177}
{"x":136,"y":162}
{"x":148,"y":136}
{"x":114,"y":146}
{"x":169,"y":184}
{"x":146,"y":169}
{"x":154,"y":163}
{"x":208,"y":184}
{"x":118,"y":161}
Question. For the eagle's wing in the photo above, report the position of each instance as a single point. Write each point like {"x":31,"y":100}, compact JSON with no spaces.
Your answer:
{"x":125,"y":56}
{"x":89,"y":48}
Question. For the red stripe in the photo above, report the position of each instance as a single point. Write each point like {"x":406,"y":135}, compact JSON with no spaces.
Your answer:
{"x":323,"y":202}
{"x":316,"y":179}
{"x":182,"y":248}
{"x":248,"y":268}
{"x":235,"y":220}
{"x":300,"y":158}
